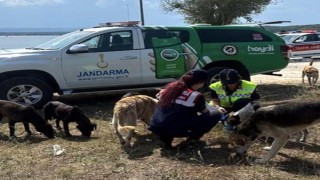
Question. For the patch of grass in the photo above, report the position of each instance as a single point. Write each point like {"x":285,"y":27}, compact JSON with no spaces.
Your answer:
{"x":101,"y":157}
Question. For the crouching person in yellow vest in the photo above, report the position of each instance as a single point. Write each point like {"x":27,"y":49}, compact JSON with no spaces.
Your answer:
{"x":231,"y":93}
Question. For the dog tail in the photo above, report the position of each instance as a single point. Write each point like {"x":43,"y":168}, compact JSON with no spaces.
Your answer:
{"x":127,"y":128}
{"x":311,"y":62}
{"x":130,"y":94}
{"x":117,"y":126}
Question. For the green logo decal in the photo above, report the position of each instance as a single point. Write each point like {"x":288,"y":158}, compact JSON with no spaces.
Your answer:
{"x":169,"y":54}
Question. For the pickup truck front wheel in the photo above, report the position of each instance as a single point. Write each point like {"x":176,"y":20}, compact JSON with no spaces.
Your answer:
{"x":27,"y":91}
{"x":214,"y":74}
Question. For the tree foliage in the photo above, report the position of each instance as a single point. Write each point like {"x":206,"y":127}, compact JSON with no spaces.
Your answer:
{"x":216,"y":12}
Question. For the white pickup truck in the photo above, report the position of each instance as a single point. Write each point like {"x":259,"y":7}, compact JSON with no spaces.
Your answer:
{"x":129,"y":56}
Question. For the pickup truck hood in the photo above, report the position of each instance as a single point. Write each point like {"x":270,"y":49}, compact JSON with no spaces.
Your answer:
{"x":27,"y":54}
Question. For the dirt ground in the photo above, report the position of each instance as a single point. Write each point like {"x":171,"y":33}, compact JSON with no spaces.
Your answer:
{"x":290,"y":75}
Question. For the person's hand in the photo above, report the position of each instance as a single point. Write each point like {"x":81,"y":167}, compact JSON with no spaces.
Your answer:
{"x":221,"y":109}
{"x":190,"y":58}
{"x":215,"y":105}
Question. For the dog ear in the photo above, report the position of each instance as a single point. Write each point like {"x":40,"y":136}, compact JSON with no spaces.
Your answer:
{"x":47,"y":106}
{"x":233,"y":119}
{"x":28,"y":109}
{"x":94,"y":126}
{"x":75,"y":111}
{"x":256,"y":105}
{"x":248,"y":130}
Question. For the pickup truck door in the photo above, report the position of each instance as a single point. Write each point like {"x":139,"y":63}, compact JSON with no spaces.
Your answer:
{"x":166,"y":50}
{"x":169,"y":58}
{"x":113,"y":60}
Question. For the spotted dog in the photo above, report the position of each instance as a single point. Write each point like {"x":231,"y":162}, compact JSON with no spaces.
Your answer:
{"x":279,"y":121}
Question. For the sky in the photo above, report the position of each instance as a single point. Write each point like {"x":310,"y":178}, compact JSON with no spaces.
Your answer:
{"x":89,"y":13}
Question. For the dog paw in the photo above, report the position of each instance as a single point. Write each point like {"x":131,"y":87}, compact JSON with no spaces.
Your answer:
{"x":240,"y":155}
{"x":302,"y":140}
{"x":123,"y":143}
{"x":13,"y":137}
{"x":126,"y":144}
{"x":239,"y":159}
{"x":267,"y":148}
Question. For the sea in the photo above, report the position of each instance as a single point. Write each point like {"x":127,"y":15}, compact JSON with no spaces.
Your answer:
{"x":13,"y":38}
{"x":23,"y":41}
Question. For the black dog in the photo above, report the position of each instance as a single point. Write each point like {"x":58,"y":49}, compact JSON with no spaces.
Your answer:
{"x":25,"y":114}
{"x":67,"y":113}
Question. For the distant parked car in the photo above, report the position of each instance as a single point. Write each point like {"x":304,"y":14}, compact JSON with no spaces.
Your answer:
{"x":302,"y":43}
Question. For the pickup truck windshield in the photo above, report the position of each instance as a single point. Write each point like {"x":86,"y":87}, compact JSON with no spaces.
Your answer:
{"x":289,"y":38}
{"x":63,"y":40}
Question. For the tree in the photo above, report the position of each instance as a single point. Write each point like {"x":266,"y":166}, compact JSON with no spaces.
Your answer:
{"x":215,"y":12}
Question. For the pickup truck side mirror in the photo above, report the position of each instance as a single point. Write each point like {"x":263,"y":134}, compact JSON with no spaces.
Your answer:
{"x":78,"y":48}
{"x":299,"y":41}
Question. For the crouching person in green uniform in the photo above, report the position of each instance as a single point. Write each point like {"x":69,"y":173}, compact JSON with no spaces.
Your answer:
{"x":231,"y":93}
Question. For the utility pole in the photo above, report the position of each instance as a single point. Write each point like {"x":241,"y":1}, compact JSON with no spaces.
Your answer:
{"x":141,"y":13}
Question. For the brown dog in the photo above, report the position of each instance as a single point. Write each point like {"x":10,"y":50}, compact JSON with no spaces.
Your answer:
{"x":127,"y":111}
{"x":311,"y":72}
{"x":67,"y":113}
{"x":25,"y":114}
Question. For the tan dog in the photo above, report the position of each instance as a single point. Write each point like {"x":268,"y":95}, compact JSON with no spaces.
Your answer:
{"x":311,"y":72}
{"x":127,"y":111}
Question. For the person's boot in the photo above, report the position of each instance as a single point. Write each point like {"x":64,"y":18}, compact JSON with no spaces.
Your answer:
{"x":195,"y":140}
{"x":194,"y":137}
{"x":167,"y":142}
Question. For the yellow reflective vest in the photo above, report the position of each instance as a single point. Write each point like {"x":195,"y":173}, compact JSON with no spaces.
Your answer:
{"x":245,"y":91}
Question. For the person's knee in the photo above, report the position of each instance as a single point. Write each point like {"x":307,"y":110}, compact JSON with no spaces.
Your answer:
{"x":210,"y":120}
{"x":215,"y":114}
